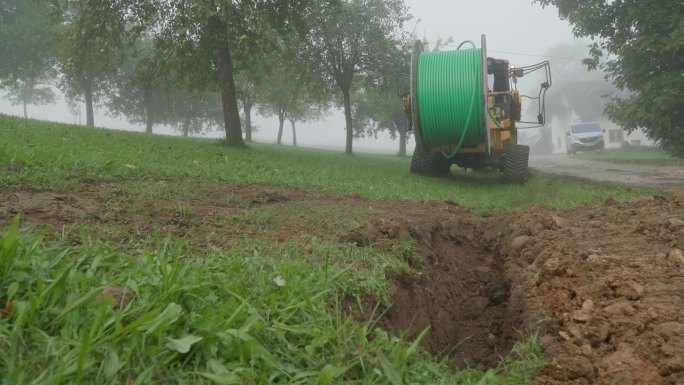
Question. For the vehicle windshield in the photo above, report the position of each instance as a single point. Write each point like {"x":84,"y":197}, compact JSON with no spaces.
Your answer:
{"x":585,"y":127}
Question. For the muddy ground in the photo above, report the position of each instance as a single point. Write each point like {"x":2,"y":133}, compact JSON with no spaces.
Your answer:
{"x":601,"y":285}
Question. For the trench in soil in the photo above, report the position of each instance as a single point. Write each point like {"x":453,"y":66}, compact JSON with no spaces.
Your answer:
{"x":459,"y":289}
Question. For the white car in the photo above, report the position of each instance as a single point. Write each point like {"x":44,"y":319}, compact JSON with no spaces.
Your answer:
{"x":584,"y":136}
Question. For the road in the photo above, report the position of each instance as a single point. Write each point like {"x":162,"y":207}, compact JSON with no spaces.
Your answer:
{"x":669,"y":178}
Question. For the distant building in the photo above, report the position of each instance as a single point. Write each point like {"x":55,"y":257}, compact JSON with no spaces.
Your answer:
{"x":583,"y":101}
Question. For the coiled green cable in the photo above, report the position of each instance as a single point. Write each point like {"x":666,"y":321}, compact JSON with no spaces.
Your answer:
{"x":449,"y":93}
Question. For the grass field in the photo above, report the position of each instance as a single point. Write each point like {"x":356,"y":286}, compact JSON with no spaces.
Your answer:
{"x":46,"y":155}
{"x":639,"y":155}
{"x":244,"y":312}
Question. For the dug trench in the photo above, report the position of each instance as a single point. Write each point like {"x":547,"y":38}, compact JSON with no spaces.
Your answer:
{"x":457,"y":287}
{"x":601,"y":285}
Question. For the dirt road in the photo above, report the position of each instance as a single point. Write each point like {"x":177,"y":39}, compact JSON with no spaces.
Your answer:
{"x":666,"y":177}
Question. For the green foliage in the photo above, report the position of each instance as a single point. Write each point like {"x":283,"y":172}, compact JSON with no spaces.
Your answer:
{"x":93,"y":39}
{"x":48,"y":155}
{"x":196,"y":320}
{"x":145,"y":89}
{"x":643,"y":44}
{"x":140,"y":87}
{"x":27,"y":53}
{"x":208,"y":40}
{"x":355,"y":39}
{"x":289,"y":90}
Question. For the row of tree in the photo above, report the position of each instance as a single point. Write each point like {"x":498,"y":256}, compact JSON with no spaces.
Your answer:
{"x":191,"y":63}
{"x":194,"y":63}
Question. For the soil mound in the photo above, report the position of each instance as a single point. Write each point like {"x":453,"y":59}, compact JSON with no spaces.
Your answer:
{"x":602,"y":285}
{"x":612,"y":279}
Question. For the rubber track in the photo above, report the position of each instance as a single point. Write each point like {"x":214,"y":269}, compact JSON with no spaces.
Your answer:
{"x":429,"y":164}
{"x":516,"y":157}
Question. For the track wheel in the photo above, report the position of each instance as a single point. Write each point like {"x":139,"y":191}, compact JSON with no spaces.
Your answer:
{"x":430,"y":163}
{"x":516,"y":157}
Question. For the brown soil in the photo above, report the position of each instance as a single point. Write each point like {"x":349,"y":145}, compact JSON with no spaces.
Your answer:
{"x":601,"y":285}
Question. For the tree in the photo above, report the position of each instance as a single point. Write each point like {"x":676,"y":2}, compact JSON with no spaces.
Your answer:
{"x":140,"y":86}
{"x":309,"y":106}
{"x":354,"y":38}
{"x":289,"y":89}
{"x":27,"y":55}
{"x":190,"y":112}
{"x":378,"y":105}
{"x":204,"y":35}
{"x":380,"y":109}
{"x":94,"y":34}
{"x":247,"y":95}
{"x":640,"y":45}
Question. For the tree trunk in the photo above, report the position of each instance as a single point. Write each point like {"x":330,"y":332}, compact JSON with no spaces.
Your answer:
{"x":88,"y":93}
{"x":348,"y":120}
{"x":294,"y":133}
{"x":186,"y":125}
{"x":402,"y":140}
{"x":231,"y":114}
{"x":149,"y":123}
{"x":281,"y":124}
{"x":25,"y":98}
{"x":148,"y":114}
{"x":247,"y":108}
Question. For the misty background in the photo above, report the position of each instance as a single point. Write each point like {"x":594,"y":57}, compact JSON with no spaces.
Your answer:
{"x":516,"y":30}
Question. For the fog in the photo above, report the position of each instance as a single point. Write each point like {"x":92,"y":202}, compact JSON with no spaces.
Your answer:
{"x":515,"y":29}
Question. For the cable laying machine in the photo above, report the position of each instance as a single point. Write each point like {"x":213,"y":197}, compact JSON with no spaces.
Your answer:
{"x":458,"y":117}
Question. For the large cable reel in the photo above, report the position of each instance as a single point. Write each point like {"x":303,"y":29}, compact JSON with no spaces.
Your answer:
{"x":448,"y":92}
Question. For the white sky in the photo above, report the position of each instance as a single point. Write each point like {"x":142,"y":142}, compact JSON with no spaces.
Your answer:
{"x":515,"y":29}
{"x":510,"y":25}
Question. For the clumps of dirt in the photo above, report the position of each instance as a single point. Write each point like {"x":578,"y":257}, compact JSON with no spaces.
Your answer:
{"x":612,"y":282}
{"x":601,"y":285}
{"x":374,"y":230}
{"x":41,"y":208}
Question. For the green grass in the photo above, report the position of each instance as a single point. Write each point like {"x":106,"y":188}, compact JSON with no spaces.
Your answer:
{"x":252,"y":311}
{"x":242,"y":318}
{"x":55,"y":156}
{"x":637,"y":155}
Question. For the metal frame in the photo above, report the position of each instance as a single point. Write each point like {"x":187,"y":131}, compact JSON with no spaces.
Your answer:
{"x":485,"y":117}
{"x":417,"y":127}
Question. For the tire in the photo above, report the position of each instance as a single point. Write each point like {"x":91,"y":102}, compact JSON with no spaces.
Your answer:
{"x":431,"y":163}
{"x":516,"y":157}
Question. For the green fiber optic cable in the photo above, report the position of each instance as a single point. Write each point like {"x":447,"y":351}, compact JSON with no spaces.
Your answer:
{"x":449,"y":93}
